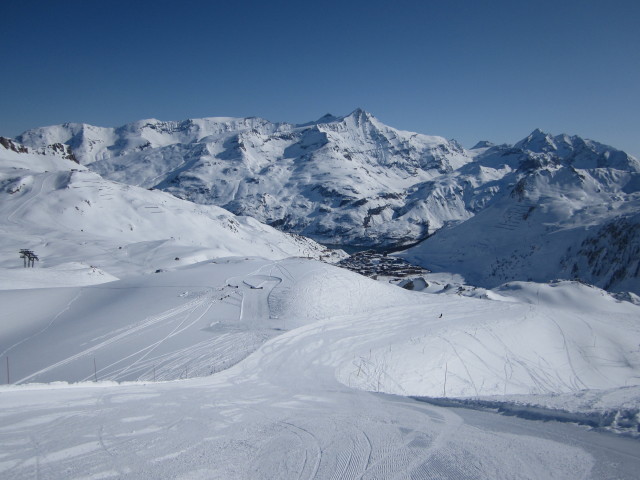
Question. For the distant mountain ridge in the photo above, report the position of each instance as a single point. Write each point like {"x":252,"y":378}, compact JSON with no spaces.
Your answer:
{"x":354,"y":181}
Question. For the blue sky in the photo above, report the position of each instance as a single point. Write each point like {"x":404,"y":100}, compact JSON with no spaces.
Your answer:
{"x":468,"y":70}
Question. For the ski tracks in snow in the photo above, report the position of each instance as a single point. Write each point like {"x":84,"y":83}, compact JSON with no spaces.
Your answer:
{"x":35,"y":191}
{"x":165,"y":354}
{"x":144,"y":324}
{"x":43,"y":329}
{"x":395,"y":439}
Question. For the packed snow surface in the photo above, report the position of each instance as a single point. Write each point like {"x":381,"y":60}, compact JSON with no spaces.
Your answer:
{"x":318,"y":340}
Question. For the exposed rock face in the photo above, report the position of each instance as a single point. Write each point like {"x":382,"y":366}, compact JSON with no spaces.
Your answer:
{"x":13,"y":146}
{"x":56,"y":149}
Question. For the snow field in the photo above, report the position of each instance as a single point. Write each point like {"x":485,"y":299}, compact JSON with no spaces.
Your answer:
{"x":297,"y":407}
{"x":497,"y":351}
{"x":382,"y":338}
{"x":165,"y":326}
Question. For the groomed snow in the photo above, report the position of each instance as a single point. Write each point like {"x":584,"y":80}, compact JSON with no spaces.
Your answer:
{"x":297,"y":407}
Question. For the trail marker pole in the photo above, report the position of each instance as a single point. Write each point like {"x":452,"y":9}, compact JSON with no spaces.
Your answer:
{"x":8,"y":377}
{"x":444,"y":387}
{"x":95,"y":370}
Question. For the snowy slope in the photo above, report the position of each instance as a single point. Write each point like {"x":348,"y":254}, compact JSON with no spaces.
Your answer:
{"x":81,"y":225}
{"x":189,"y":322}
{"x":293,"y":408}
{"x":530,"y":338}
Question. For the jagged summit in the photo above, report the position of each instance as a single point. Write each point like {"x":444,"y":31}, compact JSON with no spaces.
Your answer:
{"x":358,"y":117}
{"x":483,"y":144}
{"x":537,"y":141}
{"x":577,"y":151}
{"x":359,"y":113}
{"x":327,"y":118}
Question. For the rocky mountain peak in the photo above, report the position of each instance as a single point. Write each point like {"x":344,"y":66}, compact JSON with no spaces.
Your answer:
{"x":483,"y":144}
{"x":538,"y":142}
{"x":359,"y":117}
{"x":9,"y":144}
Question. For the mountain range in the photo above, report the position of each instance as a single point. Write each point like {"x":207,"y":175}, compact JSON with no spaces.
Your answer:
{"x":546,"y":207}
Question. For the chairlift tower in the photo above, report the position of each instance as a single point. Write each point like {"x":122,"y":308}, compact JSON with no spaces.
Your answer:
{"x":29,"y":257}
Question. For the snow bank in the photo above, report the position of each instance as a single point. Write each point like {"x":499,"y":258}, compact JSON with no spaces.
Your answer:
{"x":64,"y":275}
{"x":617,"y":410}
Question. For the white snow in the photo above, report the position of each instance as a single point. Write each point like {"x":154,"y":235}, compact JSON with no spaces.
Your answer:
{"x":314,"y":177}
{"x":297,"y":405}
{"x":78,"y":222}
{"x":269,"y":365}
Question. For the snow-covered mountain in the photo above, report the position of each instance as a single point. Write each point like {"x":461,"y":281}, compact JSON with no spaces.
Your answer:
{"x":563,"y":208}
{"x":81,"y":225}
{"x":354,"y":181}
{"x":342,"y":180}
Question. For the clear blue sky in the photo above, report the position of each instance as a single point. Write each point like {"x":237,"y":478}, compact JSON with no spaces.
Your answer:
{"x":468,"y":70}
